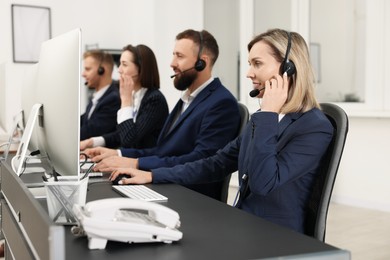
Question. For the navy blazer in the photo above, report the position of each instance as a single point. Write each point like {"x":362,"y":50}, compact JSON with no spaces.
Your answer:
{"x":103,"y":117}
{"x":208,"y":124}
{"x":280,"y":160}
{"x":153,"y":112}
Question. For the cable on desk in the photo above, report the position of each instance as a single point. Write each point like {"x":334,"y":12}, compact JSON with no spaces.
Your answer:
{"x":85,"y":159}
{"x":88,"y":171}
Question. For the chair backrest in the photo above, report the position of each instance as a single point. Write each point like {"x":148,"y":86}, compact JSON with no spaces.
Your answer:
{"x":320,"y":199}
{"x":244,"y":114}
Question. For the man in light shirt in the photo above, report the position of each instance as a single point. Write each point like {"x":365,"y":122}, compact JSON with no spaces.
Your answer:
{"x":100,"y":115}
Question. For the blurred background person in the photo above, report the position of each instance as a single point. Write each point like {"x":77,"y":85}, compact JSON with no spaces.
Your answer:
{"x":99,"y":117}
{"x":144,"y":108}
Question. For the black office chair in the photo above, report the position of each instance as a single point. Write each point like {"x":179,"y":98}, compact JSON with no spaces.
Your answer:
{"x":244,"y":113}
{"x":319,"y":202}
{"x":219,"y":190}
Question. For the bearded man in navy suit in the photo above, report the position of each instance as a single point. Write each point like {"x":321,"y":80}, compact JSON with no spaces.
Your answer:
{"x":204,"y":120}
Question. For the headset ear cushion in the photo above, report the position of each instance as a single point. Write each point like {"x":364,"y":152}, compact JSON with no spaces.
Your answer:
{"x":200,"y":65}
{"x":100,"y":70}
{"x":288,"y":67}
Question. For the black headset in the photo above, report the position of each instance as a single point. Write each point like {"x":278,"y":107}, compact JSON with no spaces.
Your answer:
{"x":101,"y":69}
{"x":287,"y":65}
{"x":200,"y":64}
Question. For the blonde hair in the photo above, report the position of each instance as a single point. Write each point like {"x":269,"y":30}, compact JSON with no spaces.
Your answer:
{"x":301,"y":94}
{"x":103,"y":58}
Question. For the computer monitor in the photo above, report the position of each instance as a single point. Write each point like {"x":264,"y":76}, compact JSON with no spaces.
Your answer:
{"x":27,"y":164}
{"x":29,"y":137}
{"x":28,"y":99}
{"x":18,"y":161}
{"x":11,"y":120}
{"x":9,"y":107}
{"x":58,"y":90}
{"x":3,"y":123}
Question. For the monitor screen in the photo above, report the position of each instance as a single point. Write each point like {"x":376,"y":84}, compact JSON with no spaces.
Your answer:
{"x":58,"y":90}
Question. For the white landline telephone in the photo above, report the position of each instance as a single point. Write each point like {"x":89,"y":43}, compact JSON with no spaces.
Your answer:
{"x":127,"y":220}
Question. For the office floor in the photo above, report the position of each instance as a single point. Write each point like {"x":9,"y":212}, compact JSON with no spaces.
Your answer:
{"x":363,"y":232}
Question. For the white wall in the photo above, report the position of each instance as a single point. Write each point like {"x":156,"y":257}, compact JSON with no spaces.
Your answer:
{"x":225,"y":29}
{"x":364,"y":175}
{"x":170,"y":18}
{"x":111,"y":25}
{"x":337,"y":37}
{"x":363,"y":179}
{"x":8,"y":109}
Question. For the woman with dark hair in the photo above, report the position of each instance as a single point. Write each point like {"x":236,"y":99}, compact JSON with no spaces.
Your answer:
{"x":144,"y":108}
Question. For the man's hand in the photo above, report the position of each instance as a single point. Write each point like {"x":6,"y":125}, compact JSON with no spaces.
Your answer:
{"x":87,"y":143}
{"x":114,"y":162}
{"x":134,"y":176}
{"x":99,"y":153}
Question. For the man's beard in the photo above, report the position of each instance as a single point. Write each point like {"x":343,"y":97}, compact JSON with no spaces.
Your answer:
{"x":183,"y":81}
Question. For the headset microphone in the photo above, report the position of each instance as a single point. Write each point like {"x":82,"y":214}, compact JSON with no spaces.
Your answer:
{"x":182,"y":72}
{"x":255,"y":92}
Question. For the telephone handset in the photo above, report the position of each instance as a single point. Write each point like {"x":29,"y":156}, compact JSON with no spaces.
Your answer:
{"x":127,"y":220}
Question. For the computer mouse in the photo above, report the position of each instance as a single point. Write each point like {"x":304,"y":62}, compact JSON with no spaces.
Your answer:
{"x":118,"y":178}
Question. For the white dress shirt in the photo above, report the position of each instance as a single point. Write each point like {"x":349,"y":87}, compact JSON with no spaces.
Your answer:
{"x":124,"y":114}
{"x":95,"y":98}
{"x":131,"y":112}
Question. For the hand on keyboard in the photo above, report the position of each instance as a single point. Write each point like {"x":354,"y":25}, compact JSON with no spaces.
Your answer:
{"x":133,"y":176}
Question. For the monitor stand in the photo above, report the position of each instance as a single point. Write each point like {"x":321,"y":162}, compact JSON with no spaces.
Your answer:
{"x":20,"y":156}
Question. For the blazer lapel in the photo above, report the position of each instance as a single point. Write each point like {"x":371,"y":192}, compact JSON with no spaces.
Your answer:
{"x":108,"y":91}
{"x":287,"y":120}
{"x":170,"y":120}
{"x":198,"y":100}
{"x":168,"y":128}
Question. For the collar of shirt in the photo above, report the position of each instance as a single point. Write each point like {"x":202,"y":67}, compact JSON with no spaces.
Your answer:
{"x":131,"y":112}
{"x":95,"y":98}
{"x":137,"y":98}
{"x":98,"y":94}
{"x":188,"y":97}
